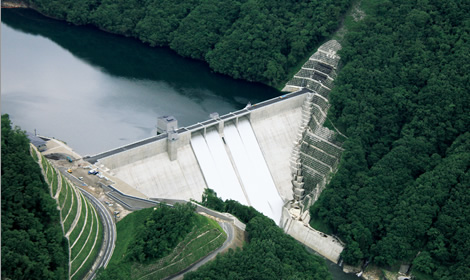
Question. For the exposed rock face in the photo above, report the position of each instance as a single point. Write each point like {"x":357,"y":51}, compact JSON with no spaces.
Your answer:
{"x":351,"y":269}
{"x":14,"y":4}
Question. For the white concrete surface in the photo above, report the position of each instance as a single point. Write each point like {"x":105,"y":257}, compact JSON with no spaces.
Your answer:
{"x":157,"y":176}
{"x":116,"y":161}
{"x":324,"y":244}
{"x":228,"y":186}
{"x":276,"y":135}
{"x":264,"y":179}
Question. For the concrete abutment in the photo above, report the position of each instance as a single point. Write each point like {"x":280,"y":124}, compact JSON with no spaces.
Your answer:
{"x":299,"y":153}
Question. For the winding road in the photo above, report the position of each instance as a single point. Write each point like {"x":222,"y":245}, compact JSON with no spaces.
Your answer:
{"x":109,"y":228}
{"x":228,"y":228}
{"x":110,"y":235}
{"x":109,"y":239}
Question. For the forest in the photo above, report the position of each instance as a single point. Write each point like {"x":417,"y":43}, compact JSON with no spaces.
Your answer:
{"x":268,"y":254}
{"x":146,"y":236}
{"x":33,"y":244}
{"x":161,"y":232}
{"x":401,"y":192}
{"x":255,"y":40}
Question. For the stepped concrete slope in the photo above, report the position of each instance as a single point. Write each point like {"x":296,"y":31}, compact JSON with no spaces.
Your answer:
{"x":275,"y":155}
{"x":80,"y":222}
{"x":316,"y":151}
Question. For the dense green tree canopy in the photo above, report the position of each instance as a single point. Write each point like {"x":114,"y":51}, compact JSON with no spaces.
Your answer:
{"x":161,"y":232}
{"x":269,"y":254}
{"x":403,"y":99}
{"x":255,"y":40}
{"x":33,"y":245}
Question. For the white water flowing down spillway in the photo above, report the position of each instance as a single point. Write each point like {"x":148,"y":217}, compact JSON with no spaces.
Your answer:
{"x":254,"y":178}
{"x":216,"y":167}
{"x":260,"y":167}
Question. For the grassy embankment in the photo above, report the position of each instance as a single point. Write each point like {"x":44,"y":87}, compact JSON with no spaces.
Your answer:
{"x":86,"y":236}
{"x":86,"y":249}
{"x":205,"y":237}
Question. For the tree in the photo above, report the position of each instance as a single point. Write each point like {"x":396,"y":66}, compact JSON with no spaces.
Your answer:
{"x":33,"y":245}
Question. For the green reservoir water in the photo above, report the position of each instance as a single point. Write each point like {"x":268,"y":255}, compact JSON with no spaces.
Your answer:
{"x":97,"y":91}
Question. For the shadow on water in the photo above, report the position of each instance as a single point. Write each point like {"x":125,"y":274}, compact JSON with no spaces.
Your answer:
{"x":131,"y":59}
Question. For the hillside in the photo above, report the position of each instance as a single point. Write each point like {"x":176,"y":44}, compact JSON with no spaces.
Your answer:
{"x":401,"y":191}
{"x":268,"y":254}
{"x":254,"y":40}
{"x":33,"y":244}
{"x":155,"y":243}
{"x":81,"y":223}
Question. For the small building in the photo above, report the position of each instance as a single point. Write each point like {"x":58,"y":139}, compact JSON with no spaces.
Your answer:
{"x":166,"y":123}
{"x":38,"y":142}
{"x":214,"y":116}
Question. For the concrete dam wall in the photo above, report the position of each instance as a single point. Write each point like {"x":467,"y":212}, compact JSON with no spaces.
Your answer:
{"x":275,"y":155}
{"x":243,"y":155}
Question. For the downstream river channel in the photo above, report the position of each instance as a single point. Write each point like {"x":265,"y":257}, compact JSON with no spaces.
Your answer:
{"x":97,"y":91}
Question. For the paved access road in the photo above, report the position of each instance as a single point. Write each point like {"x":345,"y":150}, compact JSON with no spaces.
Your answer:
{"x":228,"y":228}
{"x":109,"y":230}
{"x":109,"y":227}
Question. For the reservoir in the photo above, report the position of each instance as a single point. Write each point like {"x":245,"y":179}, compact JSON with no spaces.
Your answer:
{"x":97,"y":91}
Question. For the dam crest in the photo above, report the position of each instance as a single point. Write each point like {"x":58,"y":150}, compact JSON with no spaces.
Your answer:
{"x":275,"y":155}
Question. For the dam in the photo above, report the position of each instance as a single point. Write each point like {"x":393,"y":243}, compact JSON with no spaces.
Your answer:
{"x":275,"y":155}
{"x":230,"y":154}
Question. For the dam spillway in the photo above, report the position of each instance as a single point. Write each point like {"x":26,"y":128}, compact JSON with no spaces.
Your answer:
{"x":259,"y":185}
{"x":298,"y":155}
{"x":216,"y":166}
{"x":233,"y":165}
{"x":243,"y":156}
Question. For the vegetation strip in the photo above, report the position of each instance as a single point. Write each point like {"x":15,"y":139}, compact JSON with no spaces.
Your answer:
{"x":64,"y":192}
{"x":78,"y":244}
{"x":79,"y":226}
{"x":204,"y":237}
{"x":89,"y":245}
{"x":75,"y":211}
{"x":70,"y":206}
{"x":85,"y":268}
{"x":55,"y":183}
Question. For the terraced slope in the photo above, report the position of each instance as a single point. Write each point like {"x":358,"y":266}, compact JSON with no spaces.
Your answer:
{"x":80,"y":222}
{"x":318,"y":148}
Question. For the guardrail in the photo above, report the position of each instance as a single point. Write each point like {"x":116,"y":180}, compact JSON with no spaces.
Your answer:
{"x":199,"y":208}
{"x":170,"y":202}
{"x":201,"y":125}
